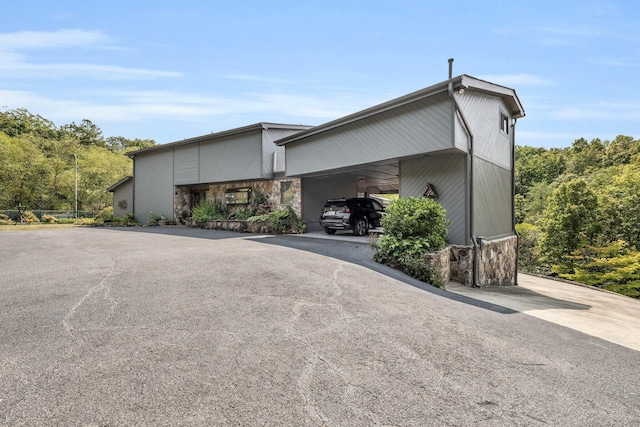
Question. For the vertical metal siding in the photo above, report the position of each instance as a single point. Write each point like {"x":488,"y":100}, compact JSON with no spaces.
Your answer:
{"x":416,"y":128}
{"x":185,"y":165}
{"x":154,"y":185}
{"x":448,"y":175}
{"x":124,"y":192}
{"x":269,"y":136}
{"x":483,"y":114}
{"x":231,"y":159}
{"x":492,"y":199}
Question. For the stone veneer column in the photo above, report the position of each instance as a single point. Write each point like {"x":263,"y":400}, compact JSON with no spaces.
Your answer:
{"x":181,"y":201}
{"x":497,"y":262}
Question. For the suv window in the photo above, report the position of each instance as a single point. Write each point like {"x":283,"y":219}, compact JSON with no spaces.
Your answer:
{"x":377,"y":206}
{"x":335,"y":203}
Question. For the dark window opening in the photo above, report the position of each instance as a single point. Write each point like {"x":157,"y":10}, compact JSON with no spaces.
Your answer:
{"x":504,"y":123}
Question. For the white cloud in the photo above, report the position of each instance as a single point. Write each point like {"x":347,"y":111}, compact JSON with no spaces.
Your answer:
{"x":52,"y":39}
{"x":15,"y":63}
{"x":127,"y":106}
{"x":14,"y":66}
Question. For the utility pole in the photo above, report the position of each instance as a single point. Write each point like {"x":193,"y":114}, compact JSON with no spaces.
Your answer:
{"x":75,"y":157}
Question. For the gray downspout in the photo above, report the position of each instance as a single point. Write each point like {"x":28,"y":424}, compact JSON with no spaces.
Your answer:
{"x":471,"y":201}
{"x":133,"y":191}
{"x":513,"y":196}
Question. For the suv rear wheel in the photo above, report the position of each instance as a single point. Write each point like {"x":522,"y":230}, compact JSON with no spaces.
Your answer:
{"x":360,"y":227}
{"x":330,"y":230}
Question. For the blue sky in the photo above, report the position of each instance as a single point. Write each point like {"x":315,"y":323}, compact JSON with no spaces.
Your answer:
{"x":168,"y":70}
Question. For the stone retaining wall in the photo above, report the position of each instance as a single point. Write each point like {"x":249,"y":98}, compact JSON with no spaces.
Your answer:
{"x":497,"y":262}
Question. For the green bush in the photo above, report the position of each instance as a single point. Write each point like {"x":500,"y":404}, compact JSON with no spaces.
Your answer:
{"x":282,"y":221}
{"x":413,"y":227}
{"x":243,"y":214}
{"x":128,"y":219}
{"x":105,"y":215}
{"x":210,"y":210}
{"x":614,"y":267}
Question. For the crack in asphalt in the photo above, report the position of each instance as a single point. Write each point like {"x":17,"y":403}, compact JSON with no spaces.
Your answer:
{"x":107,"y":297}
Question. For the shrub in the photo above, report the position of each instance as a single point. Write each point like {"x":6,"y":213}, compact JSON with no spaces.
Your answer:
{"x":128,"y":219}
{"x":243,"y":214}
{"x":210,"y":210}
{"x":614,"y":267}
{"x":105,"y":215}
{"x":5,"y":220}
{"x":282,"y":221}
{"x":413,"y":227}
{"x":29,"y":217}
{"x":154,"y":218}
{"x":48,"y":219}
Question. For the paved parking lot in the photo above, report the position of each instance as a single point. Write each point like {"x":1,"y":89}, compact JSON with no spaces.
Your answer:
{"x":176,"y":326}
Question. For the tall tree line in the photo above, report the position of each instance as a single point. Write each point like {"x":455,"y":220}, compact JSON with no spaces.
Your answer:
{"x":578,"y":212}
{"x":37,"y":162}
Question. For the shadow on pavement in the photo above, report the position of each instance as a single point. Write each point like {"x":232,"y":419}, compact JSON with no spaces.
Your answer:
{"x":357,"y":250}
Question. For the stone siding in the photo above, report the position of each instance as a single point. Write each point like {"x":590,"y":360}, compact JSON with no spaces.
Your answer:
{"x":461,"y":264}
{"x":497,"y":262}
{"x":181,"y":202}
{"x":439,"y":262}
{"x":269,"y":188}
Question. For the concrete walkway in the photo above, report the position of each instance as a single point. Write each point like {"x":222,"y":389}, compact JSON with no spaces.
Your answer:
{"x":605,"y":315}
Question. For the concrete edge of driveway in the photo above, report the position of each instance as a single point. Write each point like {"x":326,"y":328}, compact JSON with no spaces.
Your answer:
{"x":606,"y":315}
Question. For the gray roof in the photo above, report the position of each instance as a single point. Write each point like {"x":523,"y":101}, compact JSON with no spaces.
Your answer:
{"x":123,"y":181}
{"x":217,"y":135}
{"x":462,"y":81}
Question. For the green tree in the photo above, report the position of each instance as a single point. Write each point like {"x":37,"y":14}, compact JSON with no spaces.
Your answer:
{"x":537,"y":165}
{"x":20,"y":122}
{"x":21,"y":164}
{"x":570,"y":220}
{"x":621,"y":151}
{"x":585,"y":156}
{"x":86,"y":133}
{"x":120,"y":143}
{"x":619,"y":207}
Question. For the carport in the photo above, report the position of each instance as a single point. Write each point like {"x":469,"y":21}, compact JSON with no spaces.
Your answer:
{"x":453,"y":141}
{"x":377,"y":178}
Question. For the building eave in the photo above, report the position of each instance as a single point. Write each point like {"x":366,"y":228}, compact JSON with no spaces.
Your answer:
{"x":123,"y":181}
{"x":218,"y":135}
{"x":462,"y":81}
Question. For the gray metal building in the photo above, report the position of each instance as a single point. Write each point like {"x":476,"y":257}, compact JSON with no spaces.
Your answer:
{"x":455,"y":139}
{"x":457,"y":135}
{"x":237,"y":155}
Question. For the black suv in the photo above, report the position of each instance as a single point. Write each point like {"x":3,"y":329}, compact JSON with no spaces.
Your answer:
{"x":358,"y":214}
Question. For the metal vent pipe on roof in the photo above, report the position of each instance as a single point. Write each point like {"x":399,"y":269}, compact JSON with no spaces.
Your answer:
{"x":450,"y":68}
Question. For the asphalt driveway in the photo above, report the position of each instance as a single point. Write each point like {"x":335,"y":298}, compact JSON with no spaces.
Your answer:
{"x":176,"y":326}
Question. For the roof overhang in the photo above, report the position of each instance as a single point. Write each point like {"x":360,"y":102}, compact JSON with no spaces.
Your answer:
{"x":118,"y":184}
{"x":218,"y":135}
{"x":462,"y":81}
